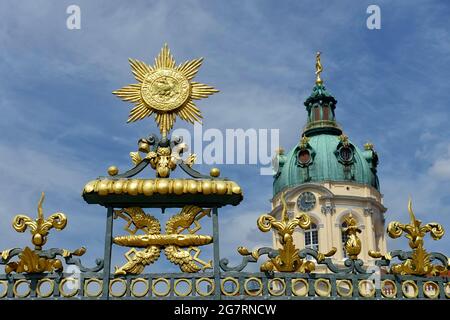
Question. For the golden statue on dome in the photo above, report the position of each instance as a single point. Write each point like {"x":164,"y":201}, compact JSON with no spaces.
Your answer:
{"x":319,"y":68}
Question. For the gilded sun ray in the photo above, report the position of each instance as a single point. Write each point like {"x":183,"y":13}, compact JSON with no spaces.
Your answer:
{"x":165,"y":90}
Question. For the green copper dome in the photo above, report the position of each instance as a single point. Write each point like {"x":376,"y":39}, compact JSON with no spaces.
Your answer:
{"x":324,"y":153}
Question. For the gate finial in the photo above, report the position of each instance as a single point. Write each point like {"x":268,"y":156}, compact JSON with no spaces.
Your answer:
{"x":165,"y":90}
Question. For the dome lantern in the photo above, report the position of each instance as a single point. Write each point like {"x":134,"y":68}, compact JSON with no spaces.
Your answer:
{"x":320,"y":106}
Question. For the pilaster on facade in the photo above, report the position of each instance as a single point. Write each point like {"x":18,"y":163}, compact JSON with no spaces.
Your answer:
{"x":328,"y":208}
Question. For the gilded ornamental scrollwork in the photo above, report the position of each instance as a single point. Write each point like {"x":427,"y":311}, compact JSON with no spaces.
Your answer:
{"x":38,"y":260}
{"x":417,"y":262}
{"x":177,"y":246}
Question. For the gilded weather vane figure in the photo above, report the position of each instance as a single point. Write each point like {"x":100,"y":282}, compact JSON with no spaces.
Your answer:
{"x":319,"y":68}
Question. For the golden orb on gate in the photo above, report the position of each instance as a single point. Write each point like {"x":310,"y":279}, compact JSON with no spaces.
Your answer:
{"x":215,"y":172}
{"x":113,"y":170}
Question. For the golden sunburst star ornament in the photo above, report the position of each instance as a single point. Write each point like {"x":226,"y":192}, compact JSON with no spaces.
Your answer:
{"x":166,"y":90}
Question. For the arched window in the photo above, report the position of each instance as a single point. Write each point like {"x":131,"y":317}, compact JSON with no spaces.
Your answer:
{"x":344,"y":238}
{"x":316,"y":114}
{"x":325,"y":111}
{"x":312,"y":237}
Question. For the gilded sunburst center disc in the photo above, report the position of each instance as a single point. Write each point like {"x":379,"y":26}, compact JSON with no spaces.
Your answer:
{"x":165,"y":89}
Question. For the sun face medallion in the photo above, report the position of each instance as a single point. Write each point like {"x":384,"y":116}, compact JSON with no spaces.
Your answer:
{"x":166,"y":90}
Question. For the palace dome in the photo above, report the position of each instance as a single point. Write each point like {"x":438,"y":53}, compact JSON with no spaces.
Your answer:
{"x":324,"y":153}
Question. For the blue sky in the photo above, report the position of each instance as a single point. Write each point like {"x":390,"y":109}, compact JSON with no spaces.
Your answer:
{"x":62,"y":127}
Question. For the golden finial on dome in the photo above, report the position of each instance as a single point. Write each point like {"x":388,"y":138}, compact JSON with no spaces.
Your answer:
{"x":304,"y":142}
{"x":344,"y":139}
{"x":369,"y":146}
{"x":319,"y":68}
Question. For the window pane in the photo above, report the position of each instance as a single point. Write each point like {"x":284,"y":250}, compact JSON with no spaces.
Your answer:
{"x":307,"y":238}
{"x":312,"y":238}
{"x":316,"y":114}
{"x":304,"y":156}
{"x":315,"y":237}
{"x":325,"y":111}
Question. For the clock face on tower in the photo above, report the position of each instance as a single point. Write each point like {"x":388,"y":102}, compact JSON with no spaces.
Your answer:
{"x":306,"y":201}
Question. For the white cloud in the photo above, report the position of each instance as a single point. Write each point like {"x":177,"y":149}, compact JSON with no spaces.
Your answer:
{"x":440,"y":168}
